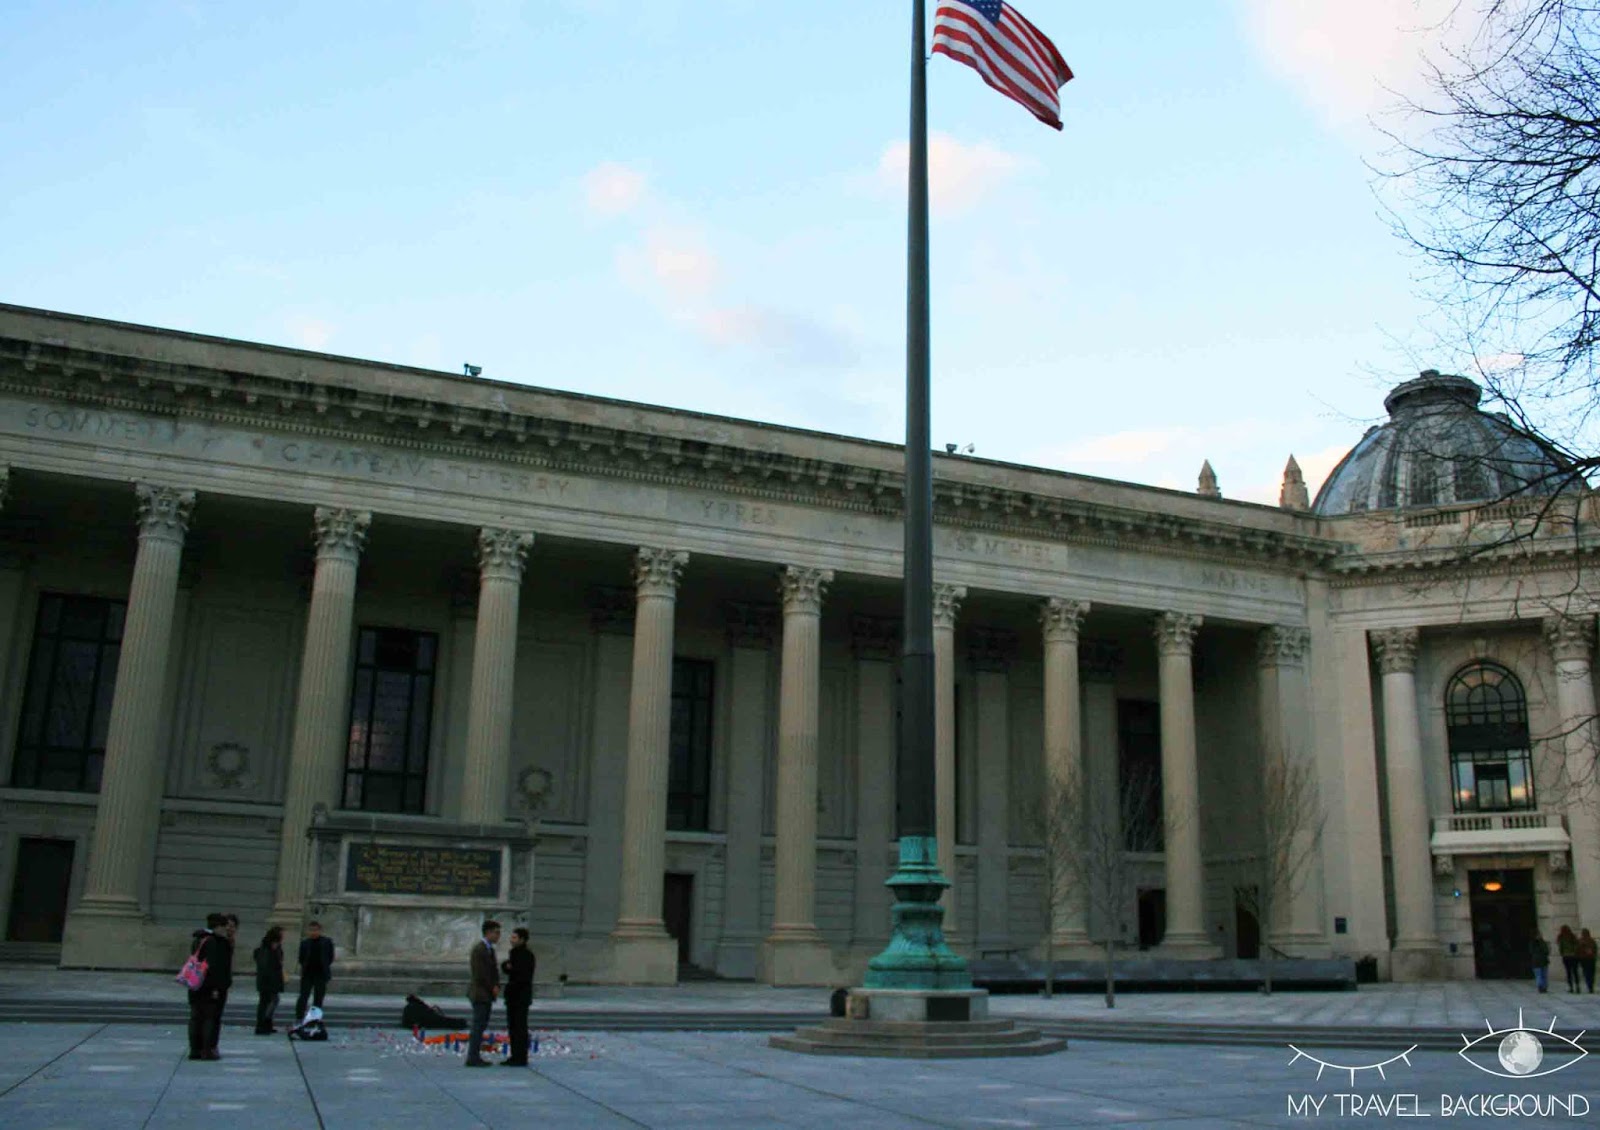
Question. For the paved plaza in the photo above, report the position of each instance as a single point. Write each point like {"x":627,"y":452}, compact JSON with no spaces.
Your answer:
{"x":136,"y":1076}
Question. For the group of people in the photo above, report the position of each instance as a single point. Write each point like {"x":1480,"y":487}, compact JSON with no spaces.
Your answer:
{"x":214,"y":945}
{"x":1577,"y":952}
{"x":485,"y":988}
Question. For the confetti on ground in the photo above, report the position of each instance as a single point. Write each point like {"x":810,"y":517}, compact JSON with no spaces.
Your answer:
{"x":543,"y":1044}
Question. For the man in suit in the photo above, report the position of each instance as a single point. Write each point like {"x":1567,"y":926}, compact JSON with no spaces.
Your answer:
{"x":316,"y":966}
{"x":518,"y":968}
{"x":482,"y":990}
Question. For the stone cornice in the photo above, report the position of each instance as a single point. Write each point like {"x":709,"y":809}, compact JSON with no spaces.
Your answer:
{"x":340,"y":412}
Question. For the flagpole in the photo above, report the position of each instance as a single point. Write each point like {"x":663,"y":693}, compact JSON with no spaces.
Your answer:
{"x":917,"y":957}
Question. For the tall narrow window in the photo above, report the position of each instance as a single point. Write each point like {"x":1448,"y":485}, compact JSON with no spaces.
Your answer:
{"x":689,"y":768}
{"x":1139,"y":775}
{"x":66,"y":707}
{"x":1486,"y":714}
{"x":391,"y":713}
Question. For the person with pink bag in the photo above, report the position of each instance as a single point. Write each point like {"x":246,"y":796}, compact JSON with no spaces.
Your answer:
{"x":208,"y":970}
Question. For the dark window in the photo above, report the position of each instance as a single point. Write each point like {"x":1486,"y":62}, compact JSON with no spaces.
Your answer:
{"x":66,"y":706}
{"x":689,"y":770}
{"x":1486,"y":713}
{"x":1139,"y":774}
{"x":1471,"y":484}
{"x":391,"y":713}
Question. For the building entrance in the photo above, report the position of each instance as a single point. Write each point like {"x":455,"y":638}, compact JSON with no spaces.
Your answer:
{"x":1504,"y":921}
{"x":39,"y":892}
{"x":1152,"y":916}
{"x":677,"y":907}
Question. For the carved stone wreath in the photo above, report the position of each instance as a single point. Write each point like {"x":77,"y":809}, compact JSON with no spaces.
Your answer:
{"x":533,"y":787}
{"x":229,"y":762}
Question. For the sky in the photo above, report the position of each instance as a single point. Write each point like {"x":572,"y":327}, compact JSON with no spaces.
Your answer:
{"x":702,"y":205}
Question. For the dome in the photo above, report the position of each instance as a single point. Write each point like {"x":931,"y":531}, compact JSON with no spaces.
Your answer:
{"x":1438,"y":448}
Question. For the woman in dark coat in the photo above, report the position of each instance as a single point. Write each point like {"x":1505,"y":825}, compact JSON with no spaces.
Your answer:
{"x":269,"y":979}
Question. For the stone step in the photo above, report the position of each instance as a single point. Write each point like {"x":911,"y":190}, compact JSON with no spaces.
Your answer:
{"x":894,"y":1048}
{"x":1001,"y":1031}
{"x":915,"y":1027}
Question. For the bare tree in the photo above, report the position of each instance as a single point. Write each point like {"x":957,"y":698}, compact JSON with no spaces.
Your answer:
{"x":1086,"y":851}
{"x":1290,"y":827}
{"x":1499,"y":167}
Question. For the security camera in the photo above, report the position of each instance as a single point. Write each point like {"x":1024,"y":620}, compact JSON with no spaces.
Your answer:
{"x":949,"y":449}
{"x":473,"y":370}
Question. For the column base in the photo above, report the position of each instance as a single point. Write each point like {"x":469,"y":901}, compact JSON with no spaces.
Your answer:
{"x":797,"y":956}
{"x":111,"y":933}
{"x":1188,"y":947}
{"x":1418,"y":961}
{"x":642,"y":958}
{"x":739,"y":958}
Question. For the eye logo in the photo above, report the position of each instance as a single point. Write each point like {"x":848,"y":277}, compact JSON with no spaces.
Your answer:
{"x":1520,"y":1052}
{"x":1352,"y":1069}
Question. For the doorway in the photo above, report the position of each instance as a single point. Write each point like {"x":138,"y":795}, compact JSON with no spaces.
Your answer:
{"x":1504,"y":922}
{"x":677,"y":910}
{"x":39,"y":891}
{"x":1152,"y":916}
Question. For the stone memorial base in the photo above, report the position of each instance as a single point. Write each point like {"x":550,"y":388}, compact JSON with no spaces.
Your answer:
{"x":404,"y":900}
{"x":918,"y":1024}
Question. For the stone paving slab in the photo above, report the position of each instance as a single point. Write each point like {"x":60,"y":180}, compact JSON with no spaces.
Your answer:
{"x":114,"y":1075}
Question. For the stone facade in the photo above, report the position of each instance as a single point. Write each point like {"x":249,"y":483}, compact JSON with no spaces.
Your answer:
{"x":652,"y":656}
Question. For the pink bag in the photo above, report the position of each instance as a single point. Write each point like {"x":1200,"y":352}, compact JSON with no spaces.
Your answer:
{"x":193,"y":973}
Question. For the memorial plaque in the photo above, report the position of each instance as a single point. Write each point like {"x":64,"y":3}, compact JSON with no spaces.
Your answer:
{"x":406,"y":869}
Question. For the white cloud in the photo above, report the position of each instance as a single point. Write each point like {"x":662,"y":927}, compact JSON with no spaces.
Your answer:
{"x":1350,"y":58}
{"x":612,"y":189}
{"x":959,"y":175}
{"x":676,"y":265}
{"x":310,"y":333}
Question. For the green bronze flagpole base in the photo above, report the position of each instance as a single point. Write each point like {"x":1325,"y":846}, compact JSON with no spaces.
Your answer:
{"x":917,"y":956}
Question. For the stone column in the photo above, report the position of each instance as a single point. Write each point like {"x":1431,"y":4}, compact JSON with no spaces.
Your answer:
{"x":501,"y":554}
{"x":1294,"y":816}
{"x":751,"y":631}
{"x":876,"y":643}
{"x":322,"y":706}
{"x":611,"y":613}
{"x":1098,"y":661}
{"x":946,"y":607}
{"x":135,"y":765}
{"x":642,"y":951}
{"x":991,"y":654}
{"x":1416,"y":944}
{"x":1063,"y":749}
{"x":1571,"y":642}
{"x":1186,"y":935}
{"x":795,"y":953}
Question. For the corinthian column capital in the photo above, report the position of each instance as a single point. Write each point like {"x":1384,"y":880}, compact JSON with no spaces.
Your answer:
{"x":341,"y":533}
{"x":947,"y":604}
{"x":1062,"y":618}
{"x":803,"y":589}
{"x":1175,"y":632}
{"x":1569,"y":637}
{"x":656,"y":571}
{"x":502,"y":552}
{"x":163,"y":512}
{"x":1396,"y":650}
{"x":1282,"y":646}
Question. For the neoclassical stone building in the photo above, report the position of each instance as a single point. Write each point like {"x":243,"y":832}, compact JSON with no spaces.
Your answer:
{"x":298,"y":635}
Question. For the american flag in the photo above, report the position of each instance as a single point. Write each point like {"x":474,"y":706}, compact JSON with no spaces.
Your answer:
{"x":1011,"y":55}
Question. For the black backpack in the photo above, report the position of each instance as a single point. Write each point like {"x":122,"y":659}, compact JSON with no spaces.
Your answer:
{"x":418,"y":1013}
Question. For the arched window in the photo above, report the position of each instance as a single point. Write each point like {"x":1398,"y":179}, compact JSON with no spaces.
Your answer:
{"x":1486,"y":712}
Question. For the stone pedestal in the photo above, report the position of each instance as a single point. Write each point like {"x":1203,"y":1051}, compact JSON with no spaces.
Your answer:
{"x":919,"y":1024}
{"x":404,"y":897}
